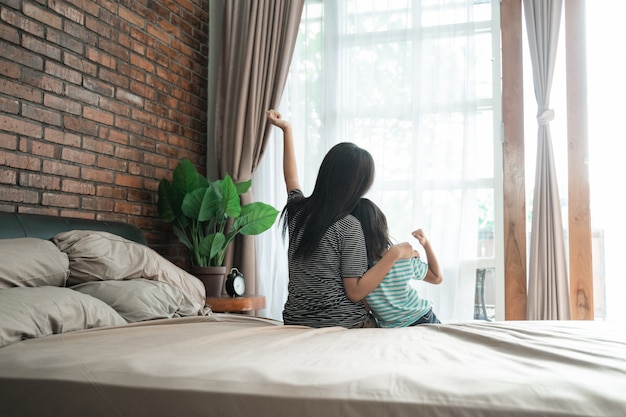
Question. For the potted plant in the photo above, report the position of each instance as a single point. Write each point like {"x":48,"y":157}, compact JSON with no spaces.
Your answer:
{"x":207,"y":215}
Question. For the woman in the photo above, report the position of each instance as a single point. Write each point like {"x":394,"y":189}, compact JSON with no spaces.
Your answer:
{"x":328,"y":275}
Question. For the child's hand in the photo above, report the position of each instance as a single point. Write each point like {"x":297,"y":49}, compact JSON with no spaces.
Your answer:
{"x":420,"y":236}
{"x":274,"y":118}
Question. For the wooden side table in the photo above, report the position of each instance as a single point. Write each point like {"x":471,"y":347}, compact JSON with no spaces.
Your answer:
{"x":227,"y":304}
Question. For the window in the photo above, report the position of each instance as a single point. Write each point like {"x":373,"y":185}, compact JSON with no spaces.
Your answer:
{"x":417,"y":83}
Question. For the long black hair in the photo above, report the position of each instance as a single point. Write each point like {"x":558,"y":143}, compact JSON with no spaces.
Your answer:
{"x":345,"y":175}
{"x":374,"y":224}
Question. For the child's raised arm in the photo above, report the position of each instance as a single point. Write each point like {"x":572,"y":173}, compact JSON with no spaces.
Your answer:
{"x":434,"y":273}
{"x":290,"y":168}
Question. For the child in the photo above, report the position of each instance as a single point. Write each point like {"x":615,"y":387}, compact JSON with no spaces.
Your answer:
{"x":395,"y":303}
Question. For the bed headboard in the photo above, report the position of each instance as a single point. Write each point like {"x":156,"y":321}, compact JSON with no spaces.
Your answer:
{"x":14,"y":225}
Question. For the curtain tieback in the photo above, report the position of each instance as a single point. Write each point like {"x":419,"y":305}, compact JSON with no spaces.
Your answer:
{"x":546,"y":117}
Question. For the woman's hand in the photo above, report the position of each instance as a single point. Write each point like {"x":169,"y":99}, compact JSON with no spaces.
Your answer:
{"x":274,"y":118}
{"x":404,"y":251}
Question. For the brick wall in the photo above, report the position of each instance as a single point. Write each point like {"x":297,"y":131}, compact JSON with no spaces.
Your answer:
{"x":99,"y":100}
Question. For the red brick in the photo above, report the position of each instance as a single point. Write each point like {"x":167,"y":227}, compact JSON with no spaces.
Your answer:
{"x":60,"y":169}
{"x":77,"y":214}
{"x":18,"y":21}
{"x":81,"y":157}
{"x":100,"y":57}
{"x":128,"y":125}
{"x":128,"y":208}
{"x":41,"y":15}
{"x":42,"y":149}
{"x":98,"y":146}
{"x":80,"y":32}
{"x":63,"y":72}
{"x":78,"y":187}
{"x":130,"y":17}
{"x":142,"y":63}
{"x":128,"y":97}
{"x":107,"y":191}
{"x":140,"y":196}
{"x":77,"y":124}
{"x":19,"y":161}
{"x":114,"y":106}
{"x":62,"y":137}
{"x":97,"y":175}
{"x":8,"y":176}
{"x":114,"y":77}
{"x":8,"y":33}
{"x":9,"y":105}
{"x":141,"y":170}
{"x":98,"y":26}
{"x":69,"y":12}
{"x":60,"y":103}
{"x":41,"y":114}
{"x":113,"y":135}
{"x":128,"y":181}
{"x":114,"y":49}
{"x":42,"y":182}
{"x":87,"y":6}
{"x":80,"y":64}
{"x":9,"y":69}
{"x":37,"y":46}
{"x":129,"y":154}
{"x":41,"y":81}
{"x":97,"y":204}
{"x":81,"y":94}
{"x":20,"y":126}
{"x":60,"y":200}
{"x":113,"y":164}
{"x":18,"y":195}
{"x":97,"y":115}
{"x":8,"y":141}
{"x":19,"y":90}
{"x":144,"y":117}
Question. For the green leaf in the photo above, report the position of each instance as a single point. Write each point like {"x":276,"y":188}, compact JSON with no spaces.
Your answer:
{"x":211,"y":245}
{"x":192,"y":203}
{"x":255,"y":218}
{"x":231,"y":200}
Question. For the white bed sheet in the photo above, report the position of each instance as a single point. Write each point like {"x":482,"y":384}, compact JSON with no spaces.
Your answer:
{"x":232,"y":365}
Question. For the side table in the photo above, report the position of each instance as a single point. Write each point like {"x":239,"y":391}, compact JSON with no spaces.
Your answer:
{"x":227,"y":304}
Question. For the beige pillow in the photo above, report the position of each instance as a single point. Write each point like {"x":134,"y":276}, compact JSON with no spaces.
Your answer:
{"x":102,"y":256}
{"x":28,"y":313}
{"x":32,"y":262}
{"x":140,"y":299}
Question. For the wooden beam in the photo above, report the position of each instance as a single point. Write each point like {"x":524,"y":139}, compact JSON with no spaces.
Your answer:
{"x":581,"y":268}
{"x":513,"y":161}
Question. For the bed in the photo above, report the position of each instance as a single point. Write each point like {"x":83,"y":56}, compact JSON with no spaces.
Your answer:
{"x":194,"y":362}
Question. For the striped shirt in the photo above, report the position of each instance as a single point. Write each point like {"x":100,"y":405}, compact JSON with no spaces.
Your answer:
{"x":316,"y":296}
{"x":395,"y":303}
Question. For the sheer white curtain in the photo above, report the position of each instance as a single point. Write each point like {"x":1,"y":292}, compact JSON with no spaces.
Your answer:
{"x":412,"y":82}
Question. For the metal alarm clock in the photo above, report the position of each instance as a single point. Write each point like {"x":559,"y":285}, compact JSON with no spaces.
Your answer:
{"x":235,"y":283}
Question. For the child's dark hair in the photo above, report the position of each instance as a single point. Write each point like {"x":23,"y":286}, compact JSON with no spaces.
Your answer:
{"x":375,"y":229}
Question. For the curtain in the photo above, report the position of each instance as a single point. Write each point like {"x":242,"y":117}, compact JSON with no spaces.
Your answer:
{"x":412,"y":82}
{"x":548,"y":292}
{"x":257,"y":41}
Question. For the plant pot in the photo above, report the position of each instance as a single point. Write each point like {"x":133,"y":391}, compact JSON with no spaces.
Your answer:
{"x":212,"y":277}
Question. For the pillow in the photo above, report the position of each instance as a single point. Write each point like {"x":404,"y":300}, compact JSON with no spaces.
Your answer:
{"x":140,"y":299}
{"x":103,"y":256}
{"x":27,"y":313}
{"x":32,"y":262}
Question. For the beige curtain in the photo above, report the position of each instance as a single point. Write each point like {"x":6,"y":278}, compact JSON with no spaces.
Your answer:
{"x":257,"y":43}
{"x":548,"y":290}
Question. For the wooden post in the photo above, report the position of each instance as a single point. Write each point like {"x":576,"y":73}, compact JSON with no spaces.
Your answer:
{"x":581,"y":268}
{"x":513,"y":161}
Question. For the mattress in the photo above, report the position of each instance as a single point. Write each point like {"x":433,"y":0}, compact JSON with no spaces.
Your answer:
{"x":234,"y":365}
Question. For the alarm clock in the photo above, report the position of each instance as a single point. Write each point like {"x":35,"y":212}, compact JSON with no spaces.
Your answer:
{"x":235,"y":283}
